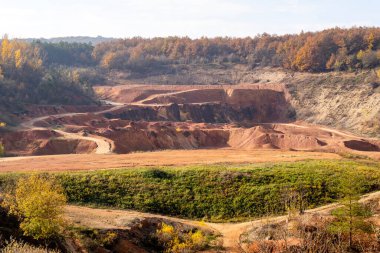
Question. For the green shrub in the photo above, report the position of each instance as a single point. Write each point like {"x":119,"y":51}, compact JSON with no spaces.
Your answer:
{"x":156,"y":173}
{"x":218,"y":192}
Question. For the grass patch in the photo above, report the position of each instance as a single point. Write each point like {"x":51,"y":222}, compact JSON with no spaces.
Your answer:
{"x":217,"y":192}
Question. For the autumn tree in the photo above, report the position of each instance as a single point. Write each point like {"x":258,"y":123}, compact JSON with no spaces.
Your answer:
{"x":39,"y":202}
{"x":332,"y":49}
{"x":1,"y":149}
{"x":176,"y":241}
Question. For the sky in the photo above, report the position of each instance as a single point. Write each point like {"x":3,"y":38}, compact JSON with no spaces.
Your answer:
{"x":193,"y":18}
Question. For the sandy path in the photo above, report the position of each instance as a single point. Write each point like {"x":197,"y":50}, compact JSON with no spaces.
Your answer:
{"x":151,"y":97}
{"x":230,"y":232}
{"x":104,"y":145}
{"x":75,"y":162}
{"x":330,"y":130}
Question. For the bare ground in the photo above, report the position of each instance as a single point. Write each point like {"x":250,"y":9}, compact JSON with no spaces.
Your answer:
{"x":159,"y":158}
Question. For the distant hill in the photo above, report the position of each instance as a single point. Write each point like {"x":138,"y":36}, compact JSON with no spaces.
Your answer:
{"x":73,"y":39}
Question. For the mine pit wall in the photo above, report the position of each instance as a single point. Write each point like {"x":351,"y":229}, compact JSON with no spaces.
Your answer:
{"x":232,"y":106}
{"x":133,"y":139}
{"x":160,"y":137}
{"x":338,"y":102}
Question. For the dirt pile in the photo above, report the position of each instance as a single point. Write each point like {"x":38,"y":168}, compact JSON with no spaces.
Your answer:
{"x":65,"y":146}
{"x":152,"y":134}
{"x":129,"y":136}
{"x":43,"y":142}
{"x":159,"y":136}
{"x":269,"y":138}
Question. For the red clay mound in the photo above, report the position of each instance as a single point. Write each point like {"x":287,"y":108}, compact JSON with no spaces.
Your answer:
{"x":265,"y":137}
{"x":65,"y":146}
{"x":129,"y":136}
{"x":148,"y":137}
{"x":43,"y":142}
{"x":26,"y":142}
{"x":236,"y":96}
{"x":188,"y":96}
{"x":129,"y":93}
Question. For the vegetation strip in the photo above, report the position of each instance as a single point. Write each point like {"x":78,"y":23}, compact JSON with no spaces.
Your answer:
{"x":219,"y":192}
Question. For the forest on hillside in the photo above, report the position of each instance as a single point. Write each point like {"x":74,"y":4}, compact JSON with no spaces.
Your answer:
{"x":328,"y":50}
{"x":62,"y":73}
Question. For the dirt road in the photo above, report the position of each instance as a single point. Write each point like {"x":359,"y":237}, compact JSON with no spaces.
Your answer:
{"x":104,"y":145}
{"x":150,"y":159}
{"x":230,"y":232}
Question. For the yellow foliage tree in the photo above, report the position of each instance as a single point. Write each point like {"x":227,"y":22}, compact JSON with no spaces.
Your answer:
{"x":360,"y":55}
{"x":18,"y":59}
{"x":5,"y":49}
{"x":39,"y":203}
{"x":370,"y":40}
{"x":175,"y":242}
{"x":1,"y":149}
{"x":108,"y":60}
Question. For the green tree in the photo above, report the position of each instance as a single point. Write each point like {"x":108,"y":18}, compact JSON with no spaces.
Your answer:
{"x":350,"y":218}
{"x":39,"y":203}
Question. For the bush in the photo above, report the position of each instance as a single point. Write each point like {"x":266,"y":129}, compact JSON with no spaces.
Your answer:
{"x":39,"y":203}
{"x":156,"y":173}
{"x":175,"y":241}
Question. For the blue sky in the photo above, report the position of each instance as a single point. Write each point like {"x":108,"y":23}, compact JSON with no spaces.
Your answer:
{"x":193,"y":18}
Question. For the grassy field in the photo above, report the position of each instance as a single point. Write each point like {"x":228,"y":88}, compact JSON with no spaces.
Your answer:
{"x":218,"y":192}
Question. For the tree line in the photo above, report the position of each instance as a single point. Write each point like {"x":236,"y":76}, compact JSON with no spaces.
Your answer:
{"x":327,"y":50}
{"x":47,"y":73}
{"x":28,"y":75}
{"x":332,"y":49}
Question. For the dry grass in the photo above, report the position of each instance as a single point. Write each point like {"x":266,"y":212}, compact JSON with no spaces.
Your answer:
{"x":17,"y":247}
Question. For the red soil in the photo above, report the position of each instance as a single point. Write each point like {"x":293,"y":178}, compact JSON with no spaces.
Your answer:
{"x":43,"y":142}
{"x":255,"y":104}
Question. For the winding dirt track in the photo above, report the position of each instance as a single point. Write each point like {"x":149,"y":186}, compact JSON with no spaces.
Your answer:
{"x":230,"y":232}
{"x":104,"y":145}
